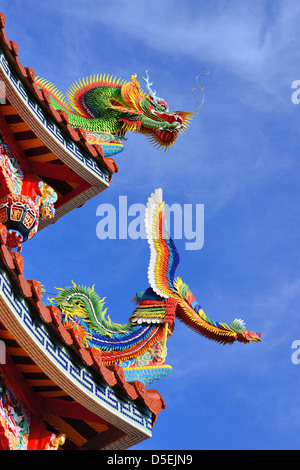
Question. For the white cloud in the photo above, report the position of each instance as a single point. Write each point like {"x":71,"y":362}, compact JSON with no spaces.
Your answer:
{"x":255,"y":40}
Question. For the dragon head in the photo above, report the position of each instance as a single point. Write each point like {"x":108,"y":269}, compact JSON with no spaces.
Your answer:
{"x":150,"y":114}
{"x":158,"y":123}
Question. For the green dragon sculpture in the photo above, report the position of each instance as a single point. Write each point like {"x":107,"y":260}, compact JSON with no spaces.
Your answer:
{"x":106,"y":108}
{"x":140,"y":345}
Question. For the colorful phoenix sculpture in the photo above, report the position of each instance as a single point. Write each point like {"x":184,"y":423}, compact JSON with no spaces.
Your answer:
{"x":106,"y":108}
{"x":140,"y":345}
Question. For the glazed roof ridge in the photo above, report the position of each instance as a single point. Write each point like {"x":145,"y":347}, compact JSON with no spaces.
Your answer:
{"x":112,"y":375}
{"x":27,"y":77}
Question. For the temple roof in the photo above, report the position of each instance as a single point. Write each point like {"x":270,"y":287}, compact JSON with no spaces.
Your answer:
{"x":27,"y":77}
{"x":38,"y":381}
{"x":59,"y":379}
{"x":42,"y":140}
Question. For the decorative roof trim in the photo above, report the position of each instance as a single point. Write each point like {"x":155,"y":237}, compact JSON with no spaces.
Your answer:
{"x":102,"y":390}
{"x":47,"y":130}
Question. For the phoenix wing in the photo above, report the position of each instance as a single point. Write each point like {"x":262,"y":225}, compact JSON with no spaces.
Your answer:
{"x":164,"y":260}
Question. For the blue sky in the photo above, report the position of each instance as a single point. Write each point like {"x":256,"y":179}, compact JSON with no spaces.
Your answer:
{"x":240,"y":158}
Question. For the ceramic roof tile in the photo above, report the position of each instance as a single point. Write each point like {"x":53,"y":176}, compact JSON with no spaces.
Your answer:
{"x":2,"y":20}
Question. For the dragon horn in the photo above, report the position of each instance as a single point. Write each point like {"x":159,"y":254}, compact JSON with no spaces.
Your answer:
{"x":148,"y":87}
